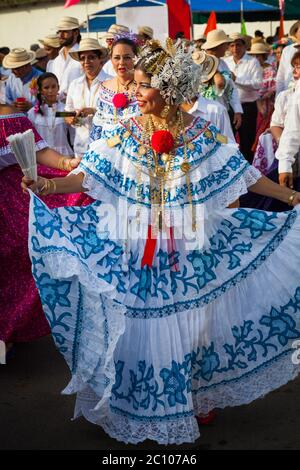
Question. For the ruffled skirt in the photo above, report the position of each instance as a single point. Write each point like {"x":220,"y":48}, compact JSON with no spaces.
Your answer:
{"x":150,"y":348}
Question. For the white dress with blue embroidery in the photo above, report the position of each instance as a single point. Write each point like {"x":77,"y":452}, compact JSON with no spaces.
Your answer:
{"x":107,"y":116}
{"x":209,"y":325}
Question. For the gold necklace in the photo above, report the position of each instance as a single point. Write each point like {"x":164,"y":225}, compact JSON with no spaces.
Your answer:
{"x":176,"y":124}
{"x":162,"y":173}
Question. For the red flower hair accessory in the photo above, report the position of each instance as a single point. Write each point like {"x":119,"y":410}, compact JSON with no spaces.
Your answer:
{"x":162,"y":141}
{"x":120,"y":100}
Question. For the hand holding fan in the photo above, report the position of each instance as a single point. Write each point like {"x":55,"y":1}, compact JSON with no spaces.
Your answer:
{"x":23,"y":146}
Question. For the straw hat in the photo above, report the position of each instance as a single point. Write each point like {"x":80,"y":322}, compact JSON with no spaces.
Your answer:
{"x":67,"y":23}
{"x":17,"y":58}
{"x":215,"y":38}
{"x":51,"y":40}
{"x":209,"y":64}
{"x":259,"y":48}
{"x":116,"y":29}
{"x":293,"y":30}
{"x":199,"y":56}
{"x":243,"y":37}
{"x":88,"y":44}
{"x":146,"y":30}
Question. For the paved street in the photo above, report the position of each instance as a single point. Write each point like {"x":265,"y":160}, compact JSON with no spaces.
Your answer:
{"x":34,"y":415}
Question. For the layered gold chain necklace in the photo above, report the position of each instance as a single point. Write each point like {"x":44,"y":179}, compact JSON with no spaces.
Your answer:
{"x":160,"y":167}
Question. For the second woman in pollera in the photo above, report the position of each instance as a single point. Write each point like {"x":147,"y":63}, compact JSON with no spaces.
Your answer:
{"x":117,"y":99}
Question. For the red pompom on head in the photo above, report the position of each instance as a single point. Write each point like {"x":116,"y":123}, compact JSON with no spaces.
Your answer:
{"x":162,"y":141}
{"x":120,"y":100}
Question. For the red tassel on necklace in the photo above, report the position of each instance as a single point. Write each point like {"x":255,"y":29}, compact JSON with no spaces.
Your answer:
{"x":150,"y":246}
{"x":149,"y":249}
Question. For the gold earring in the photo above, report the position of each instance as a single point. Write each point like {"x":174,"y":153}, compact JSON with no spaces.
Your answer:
{"x":165,"y":112}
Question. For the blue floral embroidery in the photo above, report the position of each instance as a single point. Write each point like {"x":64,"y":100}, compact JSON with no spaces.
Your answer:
{"x":81,"y":215}
{"x":143,"y":388}
{"x":54,"y":292}
{"x":208,"y":364}
{"x":282,"y":325}
{"x":95,"y":133}
{"x":89,"y":242}
{"x":104,"y":166}
{"x":174,"y":385}
{"x":235,"y":162}
{"x":143,"y":287}
{"x":223,"y":245}
{"x":197,"y":270}
{"x":146,"y":390}
{"x":257,"y":221}
{"x":215,"y":182}
{"x":47,"y":222}
{"x":202,"y":264}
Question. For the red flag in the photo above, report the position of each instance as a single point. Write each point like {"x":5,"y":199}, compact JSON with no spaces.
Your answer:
{"x":281,"y":27}
{"x":180,"y":18}
{"x":211,"y":23}
{"x":70,"y":3}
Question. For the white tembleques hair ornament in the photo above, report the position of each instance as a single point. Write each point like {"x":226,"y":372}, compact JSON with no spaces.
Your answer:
{"x":172,"y":71}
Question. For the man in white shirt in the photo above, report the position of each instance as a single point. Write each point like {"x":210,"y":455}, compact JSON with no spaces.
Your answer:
{"x":83,"y":91}
{"x":247,"y":75}
{"x":64,"y":67}
{"x":217,"y":44}
{"x":51,"y":45}
{"x":215,"y":113}
{"x":285,"y":72}
{"x":289,"y":143}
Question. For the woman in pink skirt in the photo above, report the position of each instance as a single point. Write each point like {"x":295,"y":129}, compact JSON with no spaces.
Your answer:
{"x":21,"y":315}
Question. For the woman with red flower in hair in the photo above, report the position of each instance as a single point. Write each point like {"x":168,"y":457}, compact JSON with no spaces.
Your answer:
{"x":116,"y":98}
{"x":166,"y":303}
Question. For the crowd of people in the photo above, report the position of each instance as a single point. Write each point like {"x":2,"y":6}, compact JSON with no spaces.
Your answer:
{"x":167,"y":287}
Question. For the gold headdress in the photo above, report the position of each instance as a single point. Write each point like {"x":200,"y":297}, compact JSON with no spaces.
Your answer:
{"x":172,"y":70}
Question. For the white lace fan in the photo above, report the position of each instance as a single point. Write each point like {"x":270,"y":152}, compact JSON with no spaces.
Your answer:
{"x":23,"y":146}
